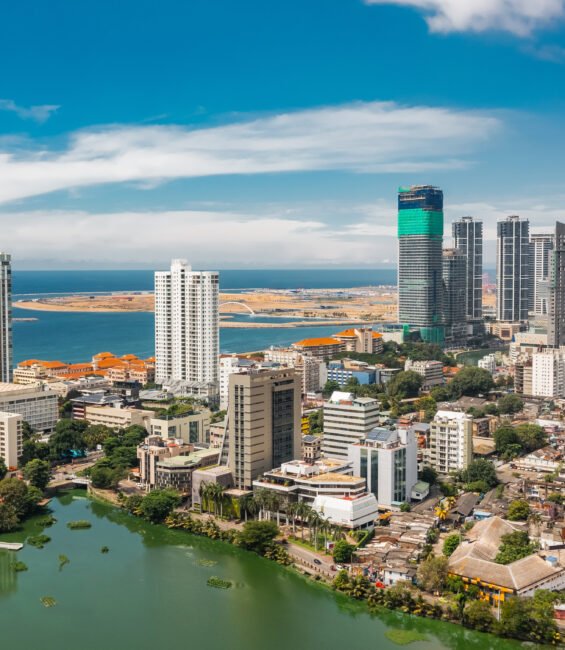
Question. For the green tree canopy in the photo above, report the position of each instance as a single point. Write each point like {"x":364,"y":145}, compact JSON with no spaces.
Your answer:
{"x":38,"y":473}
{"x":432,"y":573}
{"x":531,"y":436}
{"x":510,"y":404}
{"x":530,"y":619}
{"x":329,"y":387}
{"x":428,"y":474}
{"x":22,"y":498}
{"x":3,"y":469}
{"x":158,"y":505}
{"x":450,"y":543}
{"x":342,"y":551}
{"x":257,"y":535}
{"x":9,"y":519}
{"x":505,"y":438}
{"x":478,"y":616}
{"x":471,"y":381}
{"x":68,"y":437}
{"x":480,"y":470}
{"x":405,"y":384}
{"x":96,"y":434}
{"x":518,"y":510}
{"x":515,"y":546}
{"x":106,"y":478}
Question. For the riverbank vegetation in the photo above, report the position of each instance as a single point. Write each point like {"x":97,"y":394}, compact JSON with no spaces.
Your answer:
{"x":18,"y":501}
{"x":218,"y":583}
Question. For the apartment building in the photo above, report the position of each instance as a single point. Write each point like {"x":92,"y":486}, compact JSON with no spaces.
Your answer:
{"x":11,"y":439}
{"x":430,"y":371}
{"x":37,"y":405}
{"x":548,"y":373}
{"x":451,"y":442}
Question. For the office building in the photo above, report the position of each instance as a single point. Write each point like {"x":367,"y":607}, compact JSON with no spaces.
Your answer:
{"x":11,"y":439}
{"x":542,"y":245}
{"x":187,"y":328}
{"x":6,"y":346}
{"x":468,"y":238}
{"x":430,"y":371}
{"x":451,"y":442}
{"x":454,"y":297}
{"x":347,"y":420}
{"x":488,"y":363}
{"x":556,"y":303}
{"x":420,"y":237}
{"x":264,"y":427}
{"x":37,"y":405}
{"x":388,"y":460}
{"x":513,"y":270}
{"x":191,"y":428}
{"x":229,"y":365}
{"x":361,"y":339}
{"x":323,"y":348}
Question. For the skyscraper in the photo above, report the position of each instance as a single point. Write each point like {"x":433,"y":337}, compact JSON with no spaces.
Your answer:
{"x":454,"y":304}
{"x":263,"y":422}
{"x":420,"y":237}
{"x":187,"y":327}
{"x":542,"y":245}
{"x":513,"y":270}
{"x":556,"y":302}
{"x":468,"y":238}
{"x":6,"y":346}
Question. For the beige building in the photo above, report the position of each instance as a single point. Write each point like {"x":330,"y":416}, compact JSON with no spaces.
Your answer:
{"x":451,"y":442}
{"x":116,"y":417}
{"x":10,"y":438}
{"x":37,"y":405}
{"x":29,"y":374}
{"x":190,"y":428}
{"x":264,"y":422}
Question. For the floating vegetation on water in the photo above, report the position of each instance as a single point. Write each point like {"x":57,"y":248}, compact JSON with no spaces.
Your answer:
{"x":47,"y":521}
{"x":38,"y":541}
{"x":48,"y":601}
{"x":63,"y":559}
{"x":104,"y":549}
{"x":218,"y":583}
{"x":404,"y":637}
{"x":78,"y":525}
{"x":207,"y":562}
{"x":20,"y":566}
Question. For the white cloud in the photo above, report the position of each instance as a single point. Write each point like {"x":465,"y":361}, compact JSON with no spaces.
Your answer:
{"x":520,"y":17}
{"x":362,"y":137}
{"x":36,"y":113}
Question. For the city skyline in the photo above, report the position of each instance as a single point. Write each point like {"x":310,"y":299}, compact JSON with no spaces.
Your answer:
{"x":122,"y":153}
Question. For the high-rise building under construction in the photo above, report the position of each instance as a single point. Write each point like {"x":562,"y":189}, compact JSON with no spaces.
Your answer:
{"x":420,"y":238}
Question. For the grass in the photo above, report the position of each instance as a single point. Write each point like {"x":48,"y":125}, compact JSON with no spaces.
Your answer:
{"x":20,"y":566}
{"x":38,"y":541}
{"x":79,"y":525}
{"x":218,"y":583}
{"x":405,"y":637}
{"x":302,"y":542}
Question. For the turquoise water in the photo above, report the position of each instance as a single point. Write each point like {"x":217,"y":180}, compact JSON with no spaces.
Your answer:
{"x":149,"y":592}
{"x":73,"y":337}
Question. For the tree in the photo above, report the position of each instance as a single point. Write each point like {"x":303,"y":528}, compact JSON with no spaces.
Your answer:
{"x":530,"y":619}
{"x":440,"y":394}
{"x":405,"y":384}
{"x":514,"y":546}
{"x":316,"y":421}
{"x":505,"y":438}
{"x":96,"y":434}
{"x":3,"y":469}
{"x":352,"y":384}
{"x":432,"y":573}
{"x":105,"y":478}
{"x":429,"y":475}
{"x":38,"y":473}
{"x":33,"y":449}
{"x":471,"y":381}
{"x":429,"y":406}
{"x":27,"y":431}
{"x":329,"y":387}
{"x":450,"y":543}
{"x":257,"y":535}
{"x":478,"y":616}
{"x":405,"y":507}
{"x":510,"y":404}
{"x":157,"y":505}
{"x":67,"y":438}
{"x":518,"y":510}
{"x":342,"y":552}
{"x":531,"y":436}
{"x":480,"y":470}
{"x":9,"y":519}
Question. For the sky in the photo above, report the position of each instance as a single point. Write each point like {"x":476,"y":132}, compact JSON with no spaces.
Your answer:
{"x":258,"y":134}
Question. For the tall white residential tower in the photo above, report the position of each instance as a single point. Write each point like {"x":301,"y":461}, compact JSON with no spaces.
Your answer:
{"x":187,"y":327}
{"x":6,"y":347}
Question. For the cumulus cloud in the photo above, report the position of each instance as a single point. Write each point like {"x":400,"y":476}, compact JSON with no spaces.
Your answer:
{"x":520,"y":17}
{"x":361,"y":137}
{"x":36,"y":113}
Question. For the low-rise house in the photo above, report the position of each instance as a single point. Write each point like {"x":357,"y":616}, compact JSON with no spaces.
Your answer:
{"x":547,"y":459}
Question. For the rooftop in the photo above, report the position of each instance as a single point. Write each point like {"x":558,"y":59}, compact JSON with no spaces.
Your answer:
{"x":315,"y":342}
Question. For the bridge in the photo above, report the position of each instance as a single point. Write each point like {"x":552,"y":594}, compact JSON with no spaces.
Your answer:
{"x":79,"y":480}
{"x":241,"y":304}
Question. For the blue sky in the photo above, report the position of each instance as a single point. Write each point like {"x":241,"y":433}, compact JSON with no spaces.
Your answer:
{"x":257,"y":134}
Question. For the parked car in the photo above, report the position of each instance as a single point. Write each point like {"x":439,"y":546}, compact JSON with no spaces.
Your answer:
{"x":316,"y":561}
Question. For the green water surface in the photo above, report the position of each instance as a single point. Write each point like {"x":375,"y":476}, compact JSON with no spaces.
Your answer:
{"x":149,"y":593}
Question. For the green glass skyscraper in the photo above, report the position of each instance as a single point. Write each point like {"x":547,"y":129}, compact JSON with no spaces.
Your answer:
{"x":420,"y":239}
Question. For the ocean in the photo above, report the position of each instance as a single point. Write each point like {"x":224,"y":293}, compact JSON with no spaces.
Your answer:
{"x":73,"y":337}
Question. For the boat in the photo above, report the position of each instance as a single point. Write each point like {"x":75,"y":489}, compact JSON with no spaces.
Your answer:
{"x":10,"y":546}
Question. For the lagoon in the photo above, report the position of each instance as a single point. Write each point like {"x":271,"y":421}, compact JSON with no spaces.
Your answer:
{"x":149,"y":591}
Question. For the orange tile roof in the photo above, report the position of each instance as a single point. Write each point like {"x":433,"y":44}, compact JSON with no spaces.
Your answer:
{"x":377,"y":335}
{"x":129,"y":357}
{"x":110,"y":363}
{"x":29,"y":362}
{"x":349,"y":332}
{"x":312,"y":343}
{"x":104,"y":355}
{"x":53,"y":364}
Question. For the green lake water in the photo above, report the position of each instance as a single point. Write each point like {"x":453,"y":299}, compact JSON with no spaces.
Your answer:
{"x":149,"y":592}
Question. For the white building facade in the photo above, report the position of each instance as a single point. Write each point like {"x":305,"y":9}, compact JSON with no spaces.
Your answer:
{"x":37,"y":405}
{"x":388,"y":460}
{"x":6,"y":345}
{"x":187,"y":326}
{"x":451,"y":442}
{"x":548,"y":373}
{"x":347,"y":420}
{"x":11,"y":439}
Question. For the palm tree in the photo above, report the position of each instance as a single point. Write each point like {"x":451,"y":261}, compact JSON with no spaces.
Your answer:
{"x":303,"y":510}
{"x":275,"y":504}
{"x":314,"y":521}
{"x":204,"y":492}
{"x":291,"y":511}
{"x":261,"y":497}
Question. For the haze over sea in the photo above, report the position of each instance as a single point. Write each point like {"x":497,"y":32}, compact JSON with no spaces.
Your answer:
{"x":73,"y":337}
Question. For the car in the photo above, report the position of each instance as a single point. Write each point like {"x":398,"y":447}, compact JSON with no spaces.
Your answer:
{"x":316,"y":561}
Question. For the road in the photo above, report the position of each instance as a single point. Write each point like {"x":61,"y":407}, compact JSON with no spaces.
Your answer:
{"x":305,"y":558}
